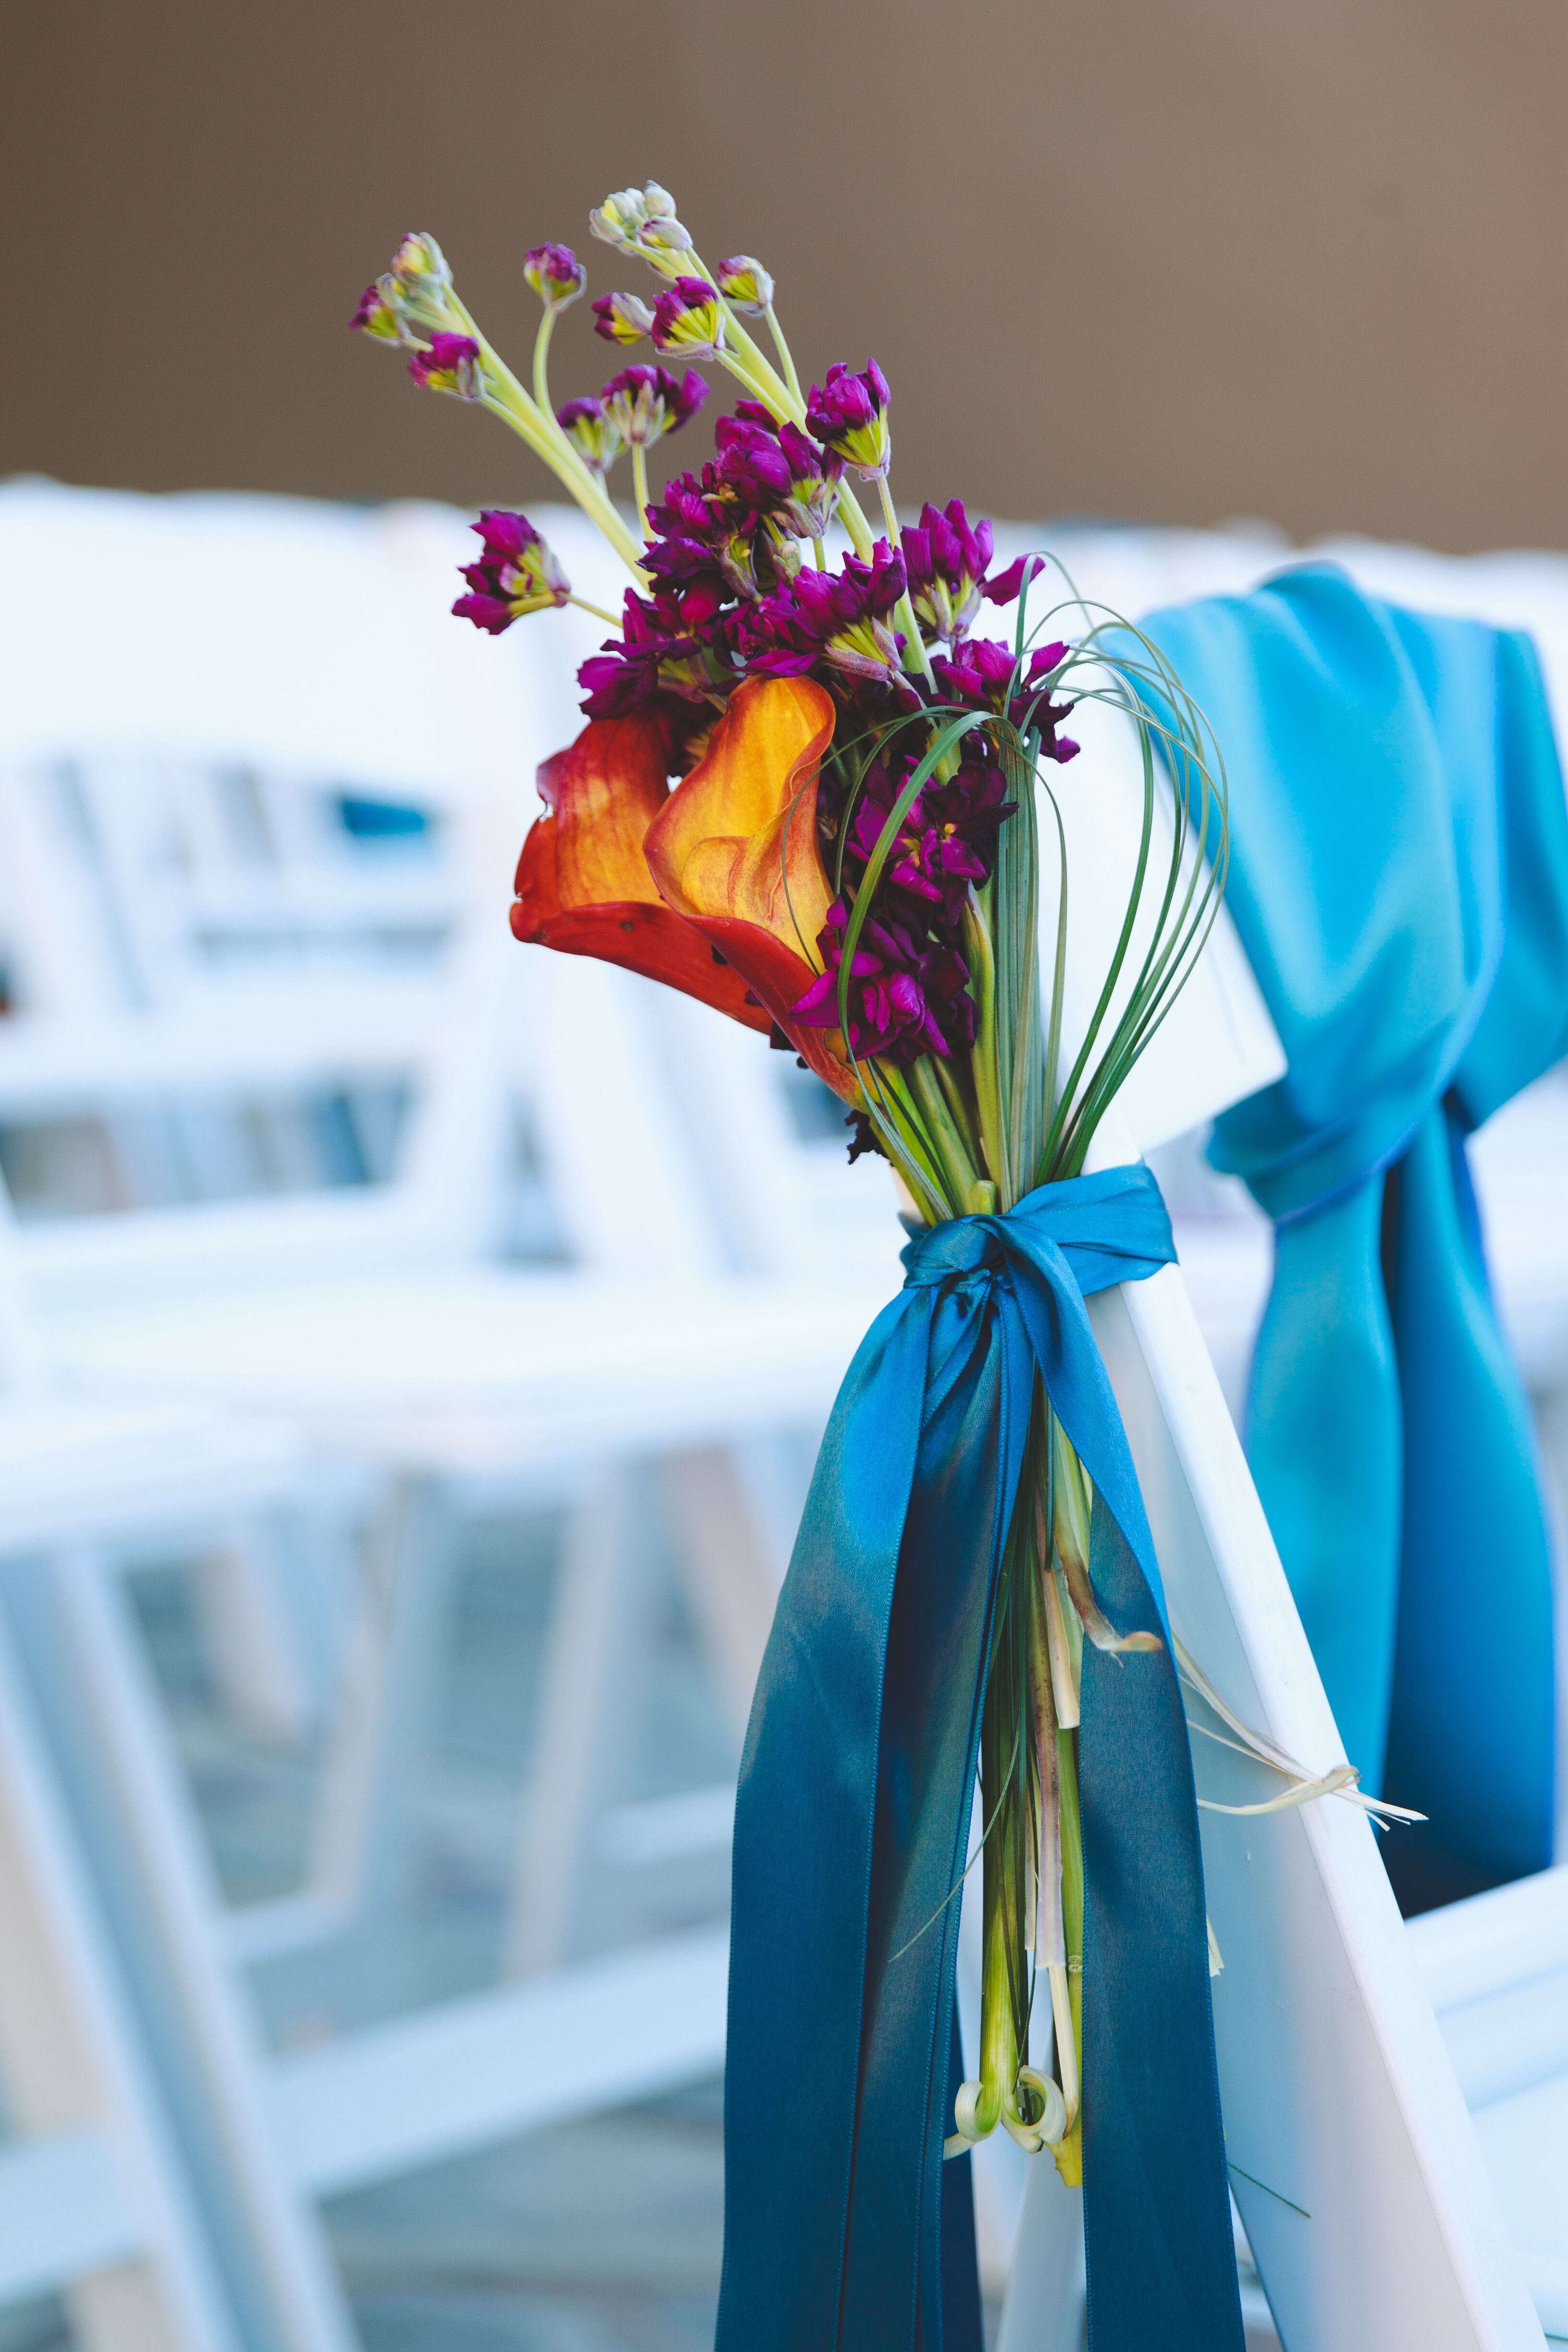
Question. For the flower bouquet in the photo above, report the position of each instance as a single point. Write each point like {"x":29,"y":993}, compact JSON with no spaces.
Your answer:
{"x":813,"y":793}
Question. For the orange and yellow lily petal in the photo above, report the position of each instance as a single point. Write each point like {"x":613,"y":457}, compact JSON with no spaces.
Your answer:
{"x":582,"y":881}
{"x":734,"y":851}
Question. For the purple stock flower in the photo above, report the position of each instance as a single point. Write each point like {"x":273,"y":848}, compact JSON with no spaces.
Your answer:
{"x":661,"y":660}
{"x":850,"y":413}
{"x":1005,"y":588}
{"x":947,"y":839}
{"x":687,"y":319}
{"x":621,"y":319}
{"x":643,"y":403}
{"x":592,"y":434}
{"x":516,"y":574}
{"x":703,"y":536}
{"x":450,"y":364}
{"x":555,"y":273}
{"x":982,"y":675}
{"x":777,"y":471}
{"x":745,"y":285}
{"x":947,"y":559}
{"x":906,"y":997}
{"x":845,"y":613}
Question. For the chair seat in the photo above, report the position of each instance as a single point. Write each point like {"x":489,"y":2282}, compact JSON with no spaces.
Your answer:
{"x":1496,"y":1968}
{"x":72,"y":1469}
{"x":490,"y":1369}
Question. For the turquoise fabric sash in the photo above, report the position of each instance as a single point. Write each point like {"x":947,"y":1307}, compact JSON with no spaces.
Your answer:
{"x":1399,"y":878}
{"x":844,"y":2231}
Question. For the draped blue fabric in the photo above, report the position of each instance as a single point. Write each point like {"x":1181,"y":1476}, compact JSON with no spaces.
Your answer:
{"x":845,"y":2229}
{"x":1399,"y":878}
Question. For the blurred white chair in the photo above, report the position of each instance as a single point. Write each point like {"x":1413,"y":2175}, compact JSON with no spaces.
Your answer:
{"x":98,"y":2203}
{"x":441,"y":1377}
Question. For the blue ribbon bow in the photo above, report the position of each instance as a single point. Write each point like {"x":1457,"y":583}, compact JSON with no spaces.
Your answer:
{"x":844,"y":2231}
{"x":1399,"y":878}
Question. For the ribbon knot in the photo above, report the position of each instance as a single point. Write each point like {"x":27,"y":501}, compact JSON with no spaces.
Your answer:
{"x":965,"y":1246}
{"x":844,"y":2231}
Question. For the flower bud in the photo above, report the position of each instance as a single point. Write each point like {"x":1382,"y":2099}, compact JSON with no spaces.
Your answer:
{"x":418,"y":258}
{"x":450,"y":363}
{"x":378,"y":313}
{"x":660,"y":239}
{"x":850,"y":413}
{"x":593,"y":434}
{"x":687,"y":319}
{"x":617,"y":220}
{"x":418,"y":286}
{"x":555,"y":273}
{"x":645,"y":403}
{"x":745,"y":285}
{"x":946,"y":557}
{"x":516,"y":574}
{"x":621,"y":319}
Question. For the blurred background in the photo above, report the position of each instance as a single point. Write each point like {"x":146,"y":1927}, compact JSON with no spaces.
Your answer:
{"x":412,"y":1351}
{"x":1188,"y":263}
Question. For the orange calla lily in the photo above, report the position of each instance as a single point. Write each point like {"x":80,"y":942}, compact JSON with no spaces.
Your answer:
{"x":734,"y":851}
{"x":582,"y":881}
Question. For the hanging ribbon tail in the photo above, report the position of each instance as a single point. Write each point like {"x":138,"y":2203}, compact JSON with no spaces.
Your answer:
{"x":1157,"y":2232}
{"x":1473,"y":1651}
{"x":844,"y":2229}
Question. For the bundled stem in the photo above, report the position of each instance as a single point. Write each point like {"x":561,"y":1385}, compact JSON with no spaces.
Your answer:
{"x":1013,"y":1120}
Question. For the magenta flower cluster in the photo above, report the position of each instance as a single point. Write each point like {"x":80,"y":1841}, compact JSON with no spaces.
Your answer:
{"x":517,"y":573}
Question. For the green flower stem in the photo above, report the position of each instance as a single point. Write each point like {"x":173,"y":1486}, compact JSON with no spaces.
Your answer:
{"x":852,"y":515}
{"x":982,"y":1059}
{"x":1069,"y":2154}
{"x":915,"y":657}
{"x":897,"y":1126}
{"x":597,"y":610}
{"x":957,"y":1170}
{"x":505,"y":397}
{"x":782,"y":349}
{"x":639,"y":483}
{"x":960,"y":1111}
{"x":1000,"y":2056}
{"x":750,"y":365}
{"x":540,"y":362}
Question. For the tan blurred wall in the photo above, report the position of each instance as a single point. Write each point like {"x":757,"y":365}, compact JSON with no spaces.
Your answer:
{"x":1183,"y":259}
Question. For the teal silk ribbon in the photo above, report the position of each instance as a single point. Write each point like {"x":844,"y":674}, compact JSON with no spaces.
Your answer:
{"x":1399,"y":878}
{"x":844,"y":2231}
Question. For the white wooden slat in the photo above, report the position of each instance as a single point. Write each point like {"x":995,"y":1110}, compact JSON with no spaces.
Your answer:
{"x":1492,"y":1942}
{"x":1337,"y":2089}
{"x":600,"y":2034}
{"x":63,"y":2212}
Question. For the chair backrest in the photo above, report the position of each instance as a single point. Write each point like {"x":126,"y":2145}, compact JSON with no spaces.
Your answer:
{"x":256,"y":840}
{"x":1341,"y":2103}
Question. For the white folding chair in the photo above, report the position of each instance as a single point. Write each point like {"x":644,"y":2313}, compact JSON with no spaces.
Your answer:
{"x":96,"y":2201}
{"x":1372,"y":2208}
{"x":446,"y":1376}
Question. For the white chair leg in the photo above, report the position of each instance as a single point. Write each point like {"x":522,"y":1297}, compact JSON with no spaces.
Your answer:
{"x":94,"y":2149}
{"x":588,"y":1637}
{"x":387,"y":1713}
{"x":250,"y":1640}
{"x":154,"y":1878}
{"x":727,"y":1567}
